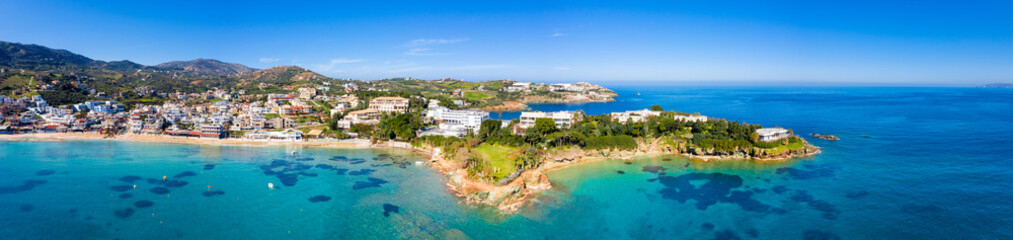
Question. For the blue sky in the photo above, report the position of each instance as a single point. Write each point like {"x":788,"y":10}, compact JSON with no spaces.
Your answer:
{"x":857,"y":42}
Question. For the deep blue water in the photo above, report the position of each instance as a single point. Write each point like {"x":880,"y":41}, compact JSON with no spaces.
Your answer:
{"x":913,"y":163}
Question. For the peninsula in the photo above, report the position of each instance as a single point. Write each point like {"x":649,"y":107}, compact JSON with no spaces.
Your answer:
{"x":47,"y":93}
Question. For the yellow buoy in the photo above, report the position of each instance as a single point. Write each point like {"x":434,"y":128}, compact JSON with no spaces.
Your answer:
{"x":163,"y":178}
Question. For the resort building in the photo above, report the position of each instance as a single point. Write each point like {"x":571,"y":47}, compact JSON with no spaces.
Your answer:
{"x":389,"y":104}
{"x":691,"y":118}
{"x":210,"y":130}
{"x":284,"y":135}
{"x":366,"y":116}
{"x":772,"y":134}
{"x":468,"y":119}
{"x":634,"y":116}
{"x":563,"y":119}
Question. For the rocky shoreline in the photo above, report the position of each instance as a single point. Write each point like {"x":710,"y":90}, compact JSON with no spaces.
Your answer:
{"x":509,"y":197}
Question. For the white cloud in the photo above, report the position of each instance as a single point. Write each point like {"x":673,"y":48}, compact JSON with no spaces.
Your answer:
{"x":562,"y":68}
{"x":330,"y":66}
{"x":269,"y":60}
{"x":558,"y":34}
{"x":423,"y":52}
{"x":436,"y":41}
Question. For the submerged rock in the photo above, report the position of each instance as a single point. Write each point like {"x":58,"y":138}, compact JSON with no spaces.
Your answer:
{"x":26,"y":186}
{"x":143,"y":204}
{"x":159,"y":190}
{"x":129,"y":179}
{"x":390,"y":208}
{"x":124,"y":213}
{"x":320,"y":198}
{"x":371,"y":183}
{"x":121,"y":188}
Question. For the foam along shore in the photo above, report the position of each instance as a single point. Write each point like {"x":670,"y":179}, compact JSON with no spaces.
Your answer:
{"x":352,"y":143}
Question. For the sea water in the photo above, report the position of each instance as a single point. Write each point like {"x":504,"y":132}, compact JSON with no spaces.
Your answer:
{"x":912,"y":163}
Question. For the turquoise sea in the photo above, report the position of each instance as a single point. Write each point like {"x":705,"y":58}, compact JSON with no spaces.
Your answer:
{"x":912,"y":163}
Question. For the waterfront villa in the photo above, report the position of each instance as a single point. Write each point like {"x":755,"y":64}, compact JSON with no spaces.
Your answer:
{"x":365,"y":116}
{"x":468,"y":119}
{"x":563,"y":119}
{"x":389,"y":104}
{"x":634,"y":116}
{"x":691,"y":118}
{"x":772,"y":134}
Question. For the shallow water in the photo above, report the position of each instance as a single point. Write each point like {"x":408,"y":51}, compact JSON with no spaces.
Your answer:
{"x":925,"y":163}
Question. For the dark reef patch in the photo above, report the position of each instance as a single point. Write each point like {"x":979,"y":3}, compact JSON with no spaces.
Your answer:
{"x":159,"y":190}
{"x":324,"y":166}
{"x":121,"y":188}
{"x":753,"y":233}
{"x":26,"y":208}
{"x":304,"y":159}
{"x":124,"y":213}
{"x":175,"y":183}
{"x":288,"y":179}
{"x":143,"y":204}
{"x":287,"y":171}
{"x":829,"y":211}
{"x":653,"y":169}
{"x":26,"y":186}
{"x":808,"y":172}
{"x":338,"y":158}
{"x":390,"y":208}
{"x":779,"y":189}
{"x":819,"y":235}
{"x":707,"y":226}
{"x":213,"y":193}
{"x":364,"y":171}
{"x":370,"y":183}
{"x":185,"y":174}
{"x":209,"y":166}
{"x":726,"y":235}
{"x":129,"y":179}
{"x":320,"y":198}
{"x":45,"y":172}
{"x":716,"y":188}
{"x":620,"y":172}
{"x":857,"y":194}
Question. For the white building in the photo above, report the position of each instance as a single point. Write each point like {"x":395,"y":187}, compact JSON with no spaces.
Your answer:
{"x":771,"y":134}
{"x":563,"y":119}
{"x":634,"y":116}
{"x":468,"y":119}
{"x":691,"y":118}
{"x":365,"y":116}
{"x":518,"y":87}
{"x":389,"y":104}
{"x":284,"y":135}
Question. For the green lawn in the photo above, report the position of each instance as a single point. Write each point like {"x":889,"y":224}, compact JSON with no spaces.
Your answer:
{"x":779,"y":149}
{"x":475,"y":96}
{"x":501,"y":158}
